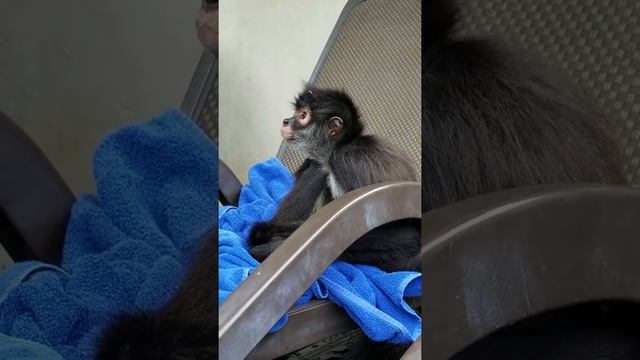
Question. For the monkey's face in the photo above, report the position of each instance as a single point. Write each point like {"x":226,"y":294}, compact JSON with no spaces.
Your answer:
{"x":299,"y":121}
{"x":322,"y":119}
{"x":303,"y":122}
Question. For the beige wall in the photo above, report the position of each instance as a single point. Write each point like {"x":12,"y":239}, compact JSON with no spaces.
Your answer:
{"x":267,"y":50}
{"x":73,"y":70}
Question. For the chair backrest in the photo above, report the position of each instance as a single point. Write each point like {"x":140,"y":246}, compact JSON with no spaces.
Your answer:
{"x":374,"y":54}
{"x":200,"y":102}
{"x":595,"y":42}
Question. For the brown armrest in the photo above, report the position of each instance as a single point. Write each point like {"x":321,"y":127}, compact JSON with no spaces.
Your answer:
{"x":250,"y":311}
{"x":34,"y":200}
{"x":499,"y":258}
{"x":228,"y":185}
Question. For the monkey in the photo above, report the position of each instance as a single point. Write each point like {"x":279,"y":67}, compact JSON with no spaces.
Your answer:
{"x":185,"y":328}
{"x":327,"y":128}
{"x":494,"y":118}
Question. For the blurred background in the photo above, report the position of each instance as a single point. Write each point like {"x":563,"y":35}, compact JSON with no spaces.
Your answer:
{"x":73,"y":71}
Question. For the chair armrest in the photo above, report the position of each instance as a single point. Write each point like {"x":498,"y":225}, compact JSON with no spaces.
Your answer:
{"x":250,"y":311}
{"x":499,"y":258}
{"x":34,"y":199}
{"x":228,"y":185}
{"x":414,"y":352}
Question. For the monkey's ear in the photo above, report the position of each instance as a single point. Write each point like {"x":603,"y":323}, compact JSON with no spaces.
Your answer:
{"x":335,"y":126}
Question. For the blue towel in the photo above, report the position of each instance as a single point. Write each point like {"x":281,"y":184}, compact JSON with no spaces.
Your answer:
{"x":125,"y":249}
{"x":372,"y":297}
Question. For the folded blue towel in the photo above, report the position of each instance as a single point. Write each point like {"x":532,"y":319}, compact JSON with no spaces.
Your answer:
{"x":372,"y":297}
{"x":125,"y":249}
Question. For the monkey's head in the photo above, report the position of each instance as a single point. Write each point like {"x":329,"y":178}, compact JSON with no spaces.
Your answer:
{"x":322,"y":117}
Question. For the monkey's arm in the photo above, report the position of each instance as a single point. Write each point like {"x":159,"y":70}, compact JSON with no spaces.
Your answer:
{"x":299,"y":202}
{"x":296,"y":207}
{"x":262,"y":251}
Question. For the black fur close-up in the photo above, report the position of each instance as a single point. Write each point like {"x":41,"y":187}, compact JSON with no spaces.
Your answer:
{"x":328,"y":130}
{"x":495,"y":118}
{"x":185,"y":328}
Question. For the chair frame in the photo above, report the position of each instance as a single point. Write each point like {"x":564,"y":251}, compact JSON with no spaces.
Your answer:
{"x":35,"y":202}
{"x":199,"y":88}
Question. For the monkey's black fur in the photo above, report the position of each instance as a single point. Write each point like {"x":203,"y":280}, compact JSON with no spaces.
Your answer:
{"x":335,"y":166}
{"x":494,"y":118}
{"x":186,"y":328}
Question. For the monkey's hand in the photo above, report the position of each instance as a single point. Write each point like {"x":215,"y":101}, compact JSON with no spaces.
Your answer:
{"x":261,"y":233}
{"x":265,"y":237}
{"x":263,"y":251}
{"x":266,"y":232}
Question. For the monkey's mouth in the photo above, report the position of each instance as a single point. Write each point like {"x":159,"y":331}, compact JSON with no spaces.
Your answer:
{"x":287,"y":133}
